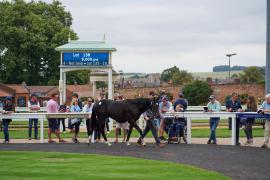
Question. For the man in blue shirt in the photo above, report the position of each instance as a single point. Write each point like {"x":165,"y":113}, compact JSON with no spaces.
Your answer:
{"x":213,"y":106}
{"x":265,"y":108}
{"x":181,"y":100}
{"x":234,"y":105}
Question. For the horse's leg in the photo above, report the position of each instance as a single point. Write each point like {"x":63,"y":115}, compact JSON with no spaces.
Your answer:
{"x":90,"y":136}
{"x":92,"y":128}
{"x":140,"y":132}
{"x":101,"y":129}
{"x":129,"y":133}
{"x":138,"y":128}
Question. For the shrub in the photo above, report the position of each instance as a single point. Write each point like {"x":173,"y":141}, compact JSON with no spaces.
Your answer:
{"x":197,"y":92}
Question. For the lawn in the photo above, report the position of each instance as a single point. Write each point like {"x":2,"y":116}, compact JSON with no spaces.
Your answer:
{"x":196,"y":133}
{"x":41,"y":165}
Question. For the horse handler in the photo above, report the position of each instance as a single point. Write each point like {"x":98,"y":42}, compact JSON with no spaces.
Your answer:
{"x":150,"y":125}
{"x":149,"y":118}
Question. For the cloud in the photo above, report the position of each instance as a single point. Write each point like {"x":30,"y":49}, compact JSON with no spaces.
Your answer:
{"x":151,"y":35}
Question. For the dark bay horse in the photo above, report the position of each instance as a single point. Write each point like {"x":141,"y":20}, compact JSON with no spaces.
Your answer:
{"x":128,"y":110}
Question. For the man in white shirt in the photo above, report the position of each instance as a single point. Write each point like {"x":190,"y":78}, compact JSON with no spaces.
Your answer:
{"x":34,"y":106}
{"x":265,"y":108}
{"x":88,"y":108}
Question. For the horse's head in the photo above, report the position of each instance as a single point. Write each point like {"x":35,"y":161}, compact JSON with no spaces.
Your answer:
{"x":155,"y":108}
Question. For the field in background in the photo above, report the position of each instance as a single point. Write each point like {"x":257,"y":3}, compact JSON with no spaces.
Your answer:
{"x":214,"y":75}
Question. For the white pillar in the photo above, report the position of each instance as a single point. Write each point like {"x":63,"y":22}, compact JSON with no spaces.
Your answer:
{"x":233,"y":131}
{"x":64,"y":87}
{"x":189,"y":131}
{"x":61,"y":86}
{"x":110,"y":88}
{"x":94,"y":89}
{"x":110,"y":96}
{"x":41,"y":130}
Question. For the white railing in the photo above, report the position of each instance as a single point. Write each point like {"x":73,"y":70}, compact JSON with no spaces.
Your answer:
{"x":43,"y":109}
{"x":26,"y":109}
{"x":41,"y":117}
{"x":200,"y":108}
{"x":190,"y":116}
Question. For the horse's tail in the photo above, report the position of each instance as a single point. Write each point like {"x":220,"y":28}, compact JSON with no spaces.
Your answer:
{"x":94,"y":118}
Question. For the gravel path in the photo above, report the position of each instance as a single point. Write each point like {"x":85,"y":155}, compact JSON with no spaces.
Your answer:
{"x":241,"y":163}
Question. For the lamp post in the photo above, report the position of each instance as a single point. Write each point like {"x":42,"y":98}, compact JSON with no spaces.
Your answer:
{"x":267,"y":69}
{"x":229,"y":55}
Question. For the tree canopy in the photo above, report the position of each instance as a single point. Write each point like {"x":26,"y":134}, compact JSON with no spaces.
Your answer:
{"x":177,"y":76}
{"x":252,"y":74}
{"x":197,"y":92}
{"x":29,"y":34}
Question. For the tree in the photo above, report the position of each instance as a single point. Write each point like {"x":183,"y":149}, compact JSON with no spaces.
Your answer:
{"x":101,"y":84}
{"x":167,"y":74}
{"x":78,"y":77}
{"x":29,"y":34}
{"x":252,"y":75}
{"x":234,"y":76}
{"x":197,"y":92}
{"x":177,"y":76}
{"x":181,"y":77}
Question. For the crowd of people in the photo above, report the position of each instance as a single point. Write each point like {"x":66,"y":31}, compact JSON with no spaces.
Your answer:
{"x":159,"y":126}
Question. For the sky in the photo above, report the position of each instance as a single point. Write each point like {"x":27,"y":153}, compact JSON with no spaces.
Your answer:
{"x":194,"y":35}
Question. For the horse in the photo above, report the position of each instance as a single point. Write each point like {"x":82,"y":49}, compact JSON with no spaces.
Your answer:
{"x":128,"y":110}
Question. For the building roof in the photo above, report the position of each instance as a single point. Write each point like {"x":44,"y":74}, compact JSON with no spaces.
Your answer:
{"x":86,"y":46}
{"x":19,"y":88}
{"x":4,"y":94}
{"x":40,"y":89}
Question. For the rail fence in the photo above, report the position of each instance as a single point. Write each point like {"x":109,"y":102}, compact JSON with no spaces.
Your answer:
{"x":190,"y":116}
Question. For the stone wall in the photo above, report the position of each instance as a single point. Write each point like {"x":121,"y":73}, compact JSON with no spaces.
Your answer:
{"x":131,"y":93}
{"x":220,"y":90}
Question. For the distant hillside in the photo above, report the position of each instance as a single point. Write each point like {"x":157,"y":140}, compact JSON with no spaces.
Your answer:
{"x":213,"y":75}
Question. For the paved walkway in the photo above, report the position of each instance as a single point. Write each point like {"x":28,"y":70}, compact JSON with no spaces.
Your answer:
{"x":221,"y":141}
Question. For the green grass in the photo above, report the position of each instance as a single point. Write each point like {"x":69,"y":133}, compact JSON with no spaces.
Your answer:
{"x":225,"y":132}
{"x":41,"y":165}
{"x":196,"y":133}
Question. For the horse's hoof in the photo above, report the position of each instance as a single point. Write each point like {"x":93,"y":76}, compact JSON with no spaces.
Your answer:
{"x":109,"y":144}
{"x":128,"y":144}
